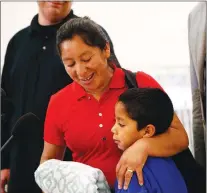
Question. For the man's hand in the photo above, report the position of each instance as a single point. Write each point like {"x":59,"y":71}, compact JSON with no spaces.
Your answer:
{"x":5,"y":174}
{"x":132,"y":159}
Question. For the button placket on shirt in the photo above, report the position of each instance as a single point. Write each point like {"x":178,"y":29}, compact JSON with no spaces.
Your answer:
{"x":44,"y":47}
{"x":101,"y":120}
{"x":100,"y":114}
{"x":104,"y":138}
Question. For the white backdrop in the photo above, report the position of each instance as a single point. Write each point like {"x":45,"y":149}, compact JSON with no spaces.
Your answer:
{"x":148,"y":36}
{"x":144,"y":34}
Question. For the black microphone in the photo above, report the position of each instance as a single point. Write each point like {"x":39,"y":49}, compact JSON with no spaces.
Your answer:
{"x":22,"y":126}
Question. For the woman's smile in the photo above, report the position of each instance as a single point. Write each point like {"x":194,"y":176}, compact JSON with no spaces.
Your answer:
{"x":87,"y":80}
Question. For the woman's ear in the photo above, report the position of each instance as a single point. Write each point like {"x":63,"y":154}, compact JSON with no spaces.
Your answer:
{"x":107,"y":50}
{"x":149,"y":131}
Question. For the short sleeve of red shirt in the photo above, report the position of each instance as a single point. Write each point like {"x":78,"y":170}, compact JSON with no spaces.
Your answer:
{"x":144,"y":80}
{"x":52,"y":130}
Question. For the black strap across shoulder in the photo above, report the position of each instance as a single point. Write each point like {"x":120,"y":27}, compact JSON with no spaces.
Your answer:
{"x":130,"y":78}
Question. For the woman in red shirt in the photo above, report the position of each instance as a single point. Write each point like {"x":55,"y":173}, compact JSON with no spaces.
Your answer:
{"x":81,"y":115}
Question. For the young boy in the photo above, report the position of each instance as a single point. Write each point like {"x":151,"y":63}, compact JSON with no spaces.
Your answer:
{"x":146,"y":112}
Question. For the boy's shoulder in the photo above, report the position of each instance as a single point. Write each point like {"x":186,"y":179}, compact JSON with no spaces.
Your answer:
{"x":163,"y":174}
{"x":157,"y":163}
{"x":160,"y":175}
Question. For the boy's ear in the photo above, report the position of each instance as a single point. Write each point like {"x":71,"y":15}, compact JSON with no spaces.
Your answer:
{"x":149,"y":131}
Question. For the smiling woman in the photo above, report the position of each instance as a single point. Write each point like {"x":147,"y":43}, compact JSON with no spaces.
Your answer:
{"x":85,"y":52}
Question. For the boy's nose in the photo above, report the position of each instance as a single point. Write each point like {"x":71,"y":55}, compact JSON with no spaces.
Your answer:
{"x":113,"y":130}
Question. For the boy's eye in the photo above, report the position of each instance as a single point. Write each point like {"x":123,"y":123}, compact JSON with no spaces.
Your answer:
{"x":121,"y":125}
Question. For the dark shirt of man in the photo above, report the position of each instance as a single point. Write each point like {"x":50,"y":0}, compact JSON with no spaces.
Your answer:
{"x":32,"y":73}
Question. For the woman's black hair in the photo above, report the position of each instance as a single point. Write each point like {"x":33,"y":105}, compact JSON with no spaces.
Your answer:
{"x":91,"y":33}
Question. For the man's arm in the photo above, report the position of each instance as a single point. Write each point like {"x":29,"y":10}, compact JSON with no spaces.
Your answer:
{"x":5,"y":131}
{"x":6,"y":86}
{"x":197,"y":118}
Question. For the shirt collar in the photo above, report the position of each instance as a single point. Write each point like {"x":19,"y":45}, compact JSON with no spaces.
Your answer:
{"x":117,"y":82}
{"x":36,"y":28}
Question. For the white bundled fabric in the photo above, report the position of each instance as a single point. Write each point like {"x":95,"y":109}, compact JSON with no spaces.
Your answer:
{"x":55,"y":176}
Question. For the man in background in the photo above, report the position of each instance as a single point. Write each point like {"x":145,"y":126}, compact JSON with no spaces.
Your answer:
{"x":197,"y":48}
{"x":32,"y":72}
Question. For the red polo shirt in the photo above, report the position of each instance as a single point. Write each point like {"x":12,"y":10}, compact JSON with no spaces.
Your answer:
{"x":76,"y":119}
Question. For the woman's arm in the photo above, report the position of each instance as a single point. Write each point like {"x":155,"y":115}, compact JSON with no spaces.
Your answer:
{"x":52,"y":151}
{"x":174,"y":140}
{"x":170,"y":142}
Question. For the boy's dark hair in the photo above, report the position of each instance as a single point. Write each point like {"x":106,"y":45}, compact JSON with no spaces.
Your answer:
{"x":148,"y":106}
{"x":91,"y":33}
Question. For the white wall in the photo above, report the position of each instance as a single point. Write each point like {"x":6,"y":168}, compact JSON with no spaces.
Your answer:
{"x":144,"y":34}
{"x":149,"y":36}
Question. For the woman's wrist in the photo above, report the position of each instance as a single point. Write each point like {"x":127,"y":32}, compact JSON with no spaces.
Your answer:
{"x":144,"y":144}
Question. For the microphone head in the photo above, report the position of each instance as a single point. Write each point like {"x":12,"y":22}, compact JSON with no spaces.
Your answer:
{"x":24,"y":124}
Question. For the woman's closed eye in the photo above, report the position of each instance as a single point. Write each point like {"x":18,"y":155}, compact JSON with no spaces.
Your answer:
{"x":87,"y":59}
{"x":70,"y":65}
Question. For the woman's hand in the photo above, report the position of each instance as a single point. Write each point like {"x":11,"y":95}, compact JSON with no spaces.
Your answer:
{"x":132,"y":159}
